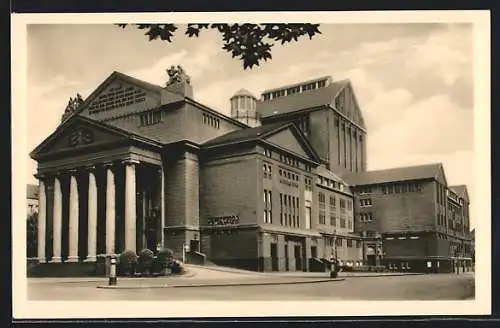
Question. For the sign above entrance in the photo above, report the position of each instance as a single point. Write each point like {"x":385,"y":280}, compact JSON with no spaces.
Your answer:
{"x":223,"y":220}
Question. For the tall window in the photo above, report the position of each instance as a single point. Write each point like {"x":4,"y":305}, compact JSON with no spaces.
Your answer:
{"x":281,"y":208}
{"x":268,"y":217}
{"x":321,"y":199}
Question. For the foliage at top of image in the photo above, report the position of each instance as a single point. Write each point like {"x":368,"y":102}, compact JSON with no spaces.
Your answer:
{"x":250,"y":43}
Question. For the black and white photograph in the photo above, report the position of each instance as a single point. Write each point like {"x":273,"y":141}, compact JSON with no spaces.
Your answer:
{"x":299,"y":164}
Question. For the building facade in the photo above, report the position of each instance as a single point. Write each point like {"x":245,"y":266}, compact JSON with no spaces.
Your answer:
{"x":410,"y":208}
{"x":281,"y":185}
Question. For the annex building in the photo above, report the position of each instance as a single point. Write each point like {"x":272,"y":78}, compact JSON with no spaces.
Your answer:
{"x":279,"y":185}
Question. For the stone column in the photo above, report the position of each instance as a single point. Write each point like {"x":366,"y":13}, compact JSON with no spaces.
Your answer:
{"x":57,"y":221}
{"x":130,"y":205}
{"x":92,"y":218}
{"x":42,"y":217}
{"x":73,"y":218}
{"x":110,"y":210}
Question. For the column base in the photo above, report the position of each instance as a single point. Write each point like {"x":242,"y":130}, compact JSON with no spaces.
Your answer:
{"x":90,"y":258}
{"x":55,"y":260}
{"x":42,"y":260}
{"x":72,"y":259}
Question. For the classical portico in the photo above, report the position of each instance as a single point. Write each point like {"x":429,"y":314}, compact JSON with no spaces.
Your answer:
{"x":100,"y":195}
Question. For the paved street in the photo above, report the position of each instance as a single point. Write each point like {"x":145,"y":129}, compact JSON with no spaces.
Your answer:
{"x":412,"y":287}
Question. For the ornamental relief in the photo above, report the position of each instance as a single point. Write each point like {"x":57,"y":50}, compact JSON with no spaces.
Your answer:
{"x":80,"y":136}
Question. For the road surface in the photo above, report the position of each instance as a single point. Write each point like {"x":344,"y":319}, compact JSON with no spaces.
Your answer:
{"x":413,"y":287}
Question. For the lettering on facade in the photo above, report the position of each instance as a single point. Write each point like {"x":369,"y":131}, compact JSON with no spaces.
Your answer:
{"x":223,"y":220}
{"x":117,"y":97}
{"x":80,"y":137}
{"x":223,"y":225}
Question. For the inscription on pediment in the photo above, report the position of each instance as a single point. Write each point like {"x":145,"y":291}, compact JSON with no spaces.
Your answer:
{"x":117,"y":96}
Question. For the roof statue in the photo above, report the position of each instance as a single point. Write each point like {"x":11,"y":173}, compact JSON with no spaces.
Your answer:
{"x":176,"y":74}
{"x":72,"y":107}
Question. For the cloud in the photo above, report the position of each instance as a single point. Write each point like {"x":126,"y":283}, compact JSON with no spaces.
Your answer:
{"x":432,"y":126}
{"x":197,"y":64}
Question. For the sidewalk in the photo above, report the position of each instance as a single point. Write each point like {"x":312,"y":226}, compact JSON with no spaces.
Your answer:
{"x":300,"y":274}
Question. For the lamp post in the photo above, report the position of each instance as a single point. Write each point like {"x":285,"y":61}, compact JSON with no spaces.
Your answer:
{"x":112,"y":272}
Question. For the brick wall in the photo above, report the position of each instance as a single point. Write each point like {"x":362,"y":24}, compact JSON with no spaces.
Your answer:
{"x":410,"y":211}
{"x":182,"y":188}
{"x":230,"y":187}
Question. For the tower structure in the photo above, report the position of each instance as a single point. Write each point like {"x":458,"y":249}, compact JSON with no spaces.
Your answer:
{"x":244,"y":108}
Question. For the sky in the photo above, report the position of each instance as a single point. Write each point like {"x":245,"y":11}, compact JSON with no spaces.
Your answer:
{"x":413,"y":82}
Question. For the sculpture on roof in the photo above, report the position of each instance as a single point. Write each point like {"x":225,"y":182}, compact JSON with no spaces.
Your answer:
{"x":72,"y":107}
{"x":176,"y":74}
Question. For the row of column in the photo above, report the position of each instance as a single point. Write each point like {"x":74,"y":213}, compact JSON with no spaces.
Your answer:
{"x":130,"y":214}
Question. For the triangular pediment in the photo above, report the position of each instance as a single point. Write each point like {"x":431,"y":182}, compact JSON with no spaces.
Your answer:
{"x":291,"y":139}
{"x":79,"y":133}
{"x":120,"y":94}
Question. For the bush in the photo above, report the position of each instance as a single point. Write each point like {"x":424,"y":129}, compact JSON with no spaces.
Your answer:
{"x":127,"y":263}
{"x":146,"y":259}
{"x":176,"y":267}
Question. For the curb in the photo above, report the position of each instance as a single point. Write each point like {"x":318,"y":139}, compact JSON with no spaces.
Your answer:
{"x":386,"y":275}
{"x":266,"y":274}
{"x":222,"y":285}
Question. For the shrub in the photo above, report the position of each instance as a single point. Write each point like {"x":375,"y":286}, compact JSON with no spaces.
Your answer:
{"x":127,"y":262}
{"x":163,"y":258}
{"x":146,"y":259}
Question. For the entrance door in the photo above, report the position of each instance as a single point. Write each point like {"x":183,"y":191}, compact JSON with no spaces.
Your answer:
{"x":298,"y":259}
{"x":274,"y":257}
{"x":314,"y":252}
{"x":194,"y":245}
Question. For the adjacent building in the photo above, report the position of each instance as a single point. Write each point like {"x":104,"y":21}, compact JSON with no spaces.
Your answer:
{"x":280,"y":185}
{"x":424,"y":223}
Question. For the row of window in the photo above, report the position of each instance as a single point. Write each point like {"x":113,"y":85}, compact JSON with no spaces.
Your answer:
{"x":289,"y":210}
{"x":211,"y":120}
{"x":402,"y":188}
{"x":365,"y":202}
{"x":294,"y":90}
{"x":331,"y":183}
{"x":366,"y":217}
{"x":289,"y":160}
{"x":284,"y":158}
{"x":289,"y":175}
{"x":150,"y":118}
{"x":402,"y":237}
{"x":333,"y":202}
{"x":339,"y":242}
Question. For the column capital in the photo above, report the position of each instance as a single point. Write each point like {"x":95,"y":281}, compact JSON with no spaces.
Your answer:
{"x":108,"y":165}
{"x":89,"y":168}
{"x":72,"y":172}
{"x":130,"y":161}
